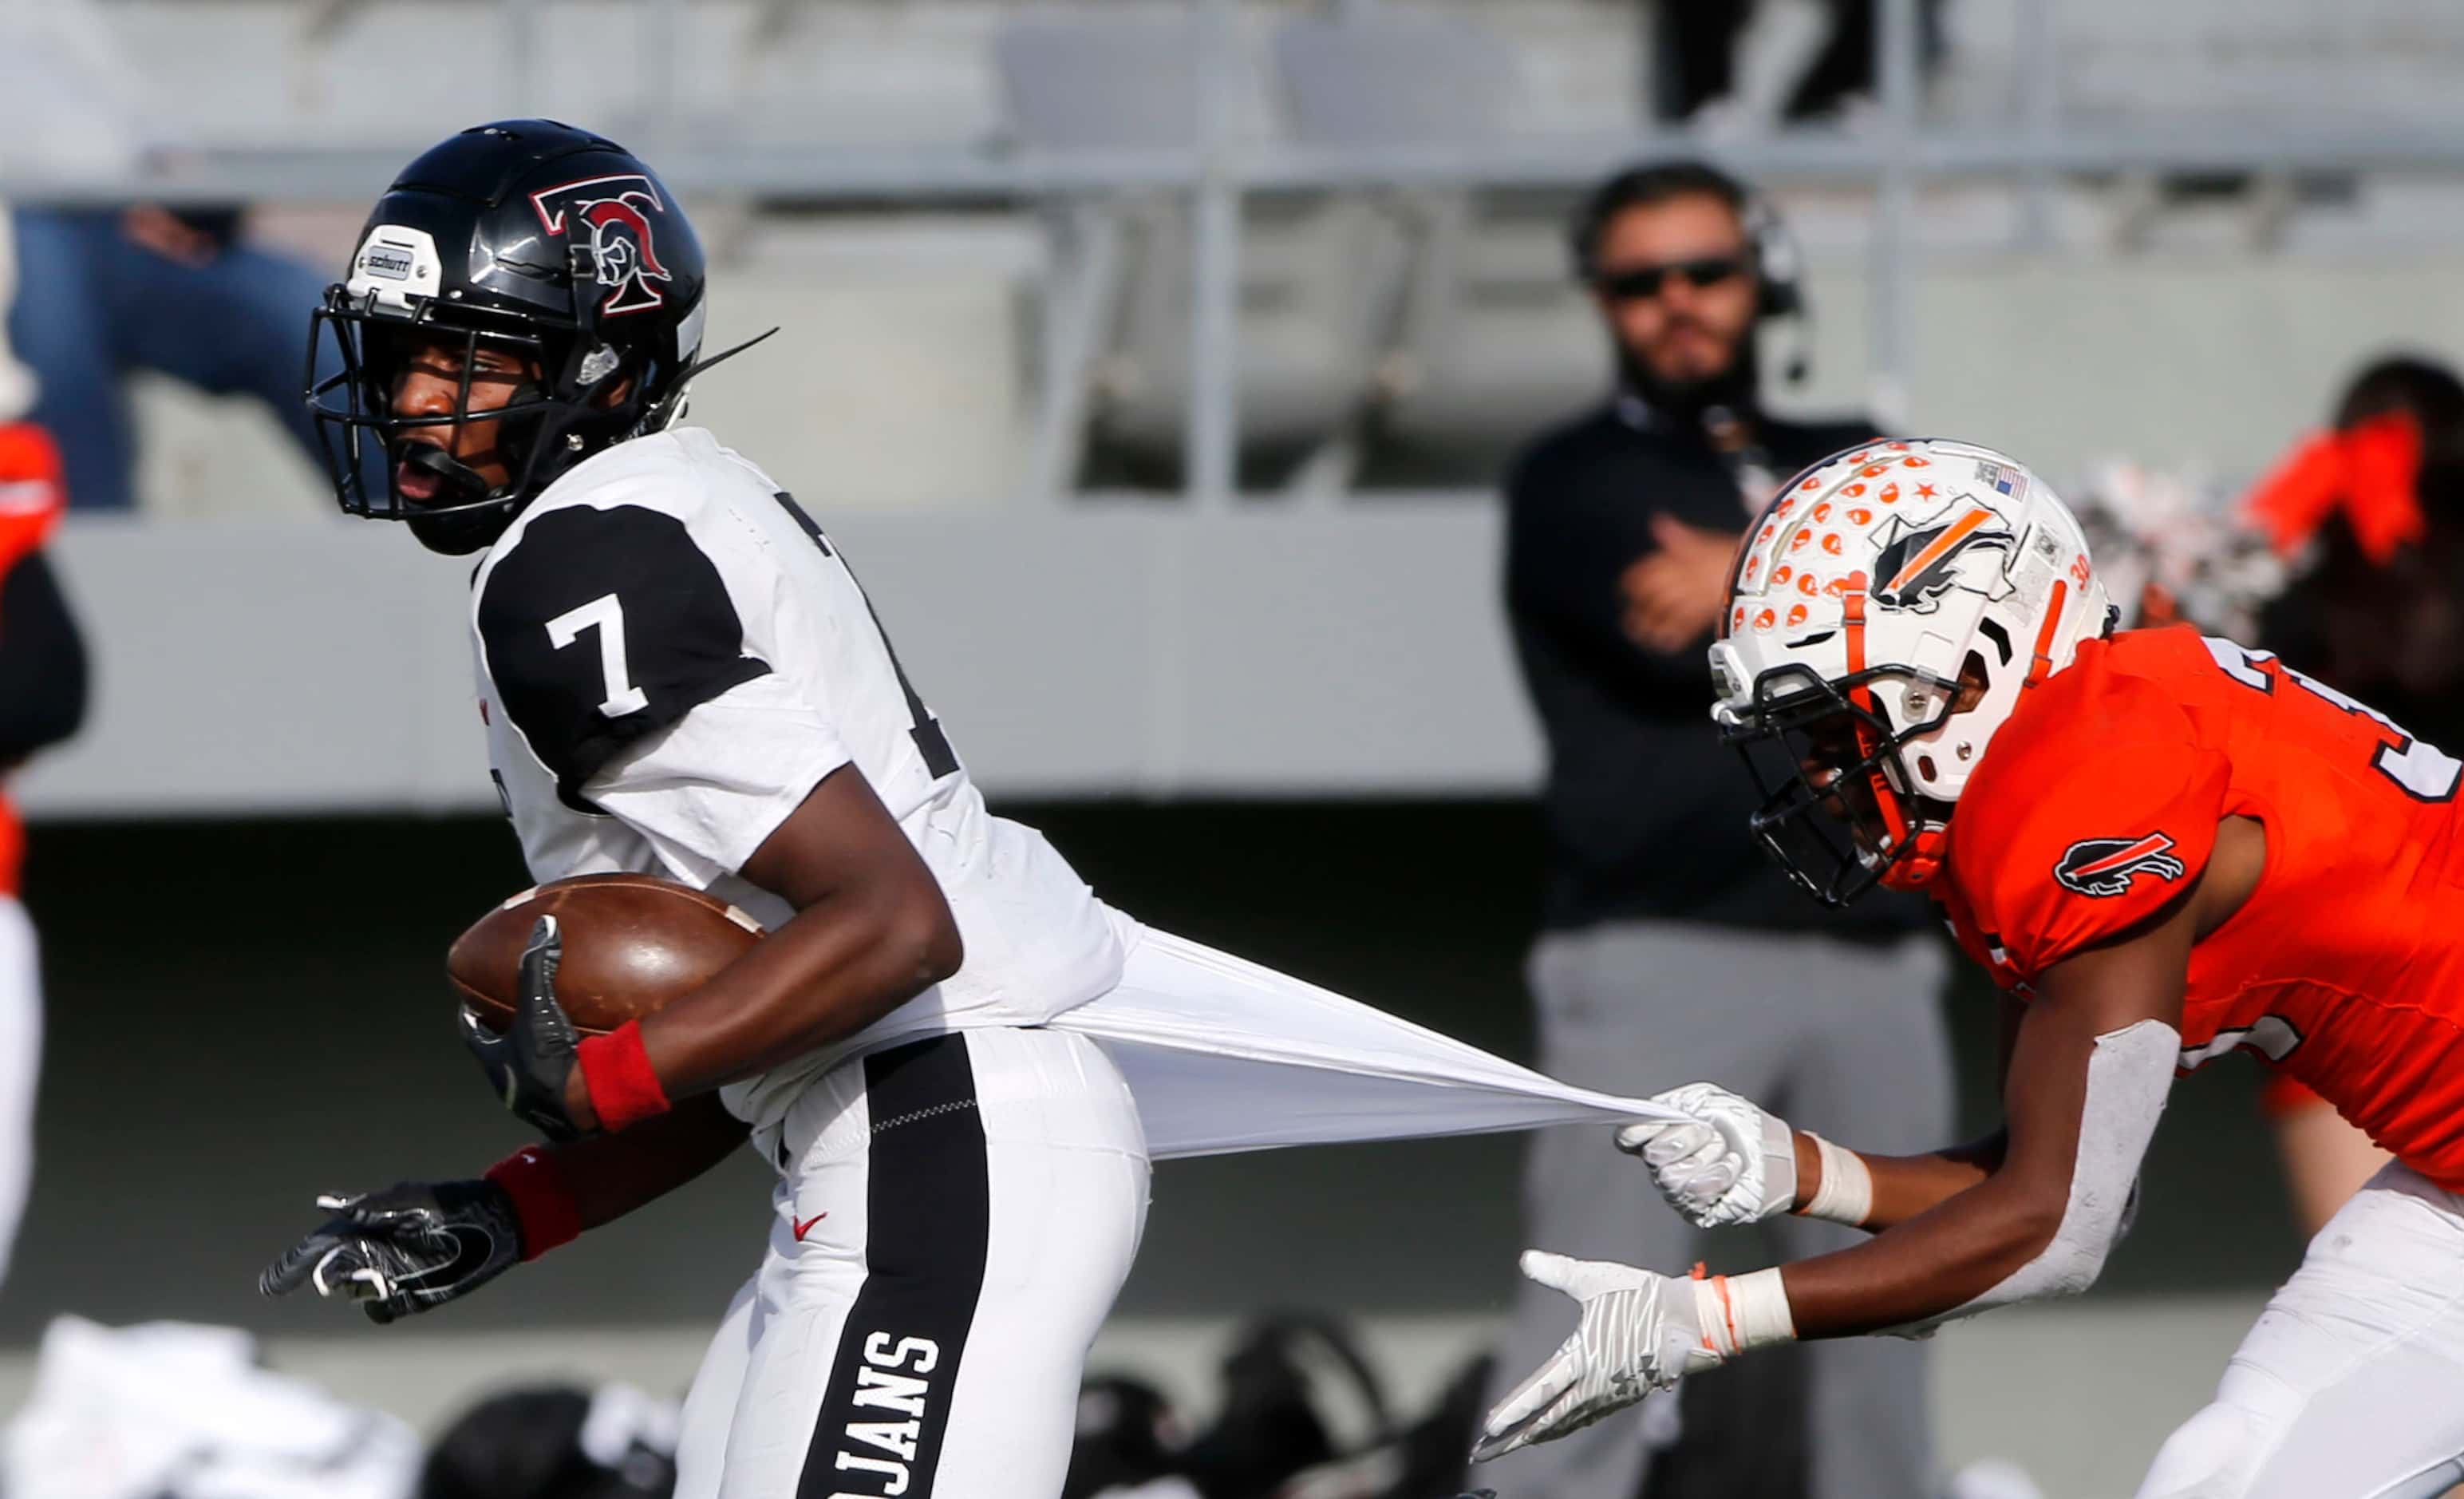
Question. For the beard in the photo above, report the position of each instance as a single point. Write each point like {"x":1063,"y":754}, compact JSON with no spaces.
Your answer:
{"x":1737,"y":386}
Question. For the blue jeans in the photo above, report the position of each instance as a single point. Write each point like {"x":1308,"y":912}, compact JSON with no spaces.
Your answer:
{"x":94,"y":304}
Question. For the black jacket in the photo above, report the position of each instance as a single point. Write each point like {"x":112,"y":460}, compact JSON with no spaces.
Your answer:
{"x":1645,"y":809}
{"x":43,"y":662}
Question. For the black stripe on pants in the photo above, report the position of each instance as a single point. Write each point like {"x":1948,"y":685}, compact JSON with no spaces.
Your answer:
{"x":929,"y":1202}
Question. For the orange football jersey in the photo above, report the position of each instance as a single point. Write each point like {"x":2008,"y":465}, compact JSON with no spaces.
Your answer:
{"x":31,"y":501}
{"x":2098,"y":803}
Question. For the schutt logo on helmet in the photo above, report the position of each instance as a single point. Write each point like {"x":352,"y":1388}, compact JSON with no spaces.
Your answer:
{"x":617,"y":212}
{"x":2104,"y":866}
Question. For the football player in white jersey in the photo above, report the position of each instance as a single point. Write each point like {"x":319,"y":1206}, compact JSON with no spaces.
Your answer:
{"x":680,"y":675}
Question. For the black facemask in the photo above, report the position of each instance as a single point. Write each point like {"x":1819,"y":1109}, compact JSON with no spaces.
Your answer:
{"x":462,"y":524}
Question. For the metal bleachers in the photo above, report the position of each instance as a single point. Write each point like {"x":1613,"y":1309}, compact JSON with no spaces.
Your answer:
{"x":1274,"y":240}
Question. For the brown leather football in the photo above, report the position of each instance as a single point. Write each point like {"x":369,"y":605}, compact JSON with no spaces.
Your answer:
{"x":632,"y":944}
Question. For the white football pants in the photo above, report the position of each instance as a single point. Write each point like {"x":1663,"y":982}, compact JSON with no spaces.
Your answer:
{"x":21,"y":1054}
{"x":958,"y":1213}
{"x":2351,"y":1383}
{"x":959,"y":1216}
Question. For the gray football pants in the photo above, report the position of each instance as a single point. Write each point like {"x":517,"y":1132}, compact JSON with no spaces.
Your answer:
{"x":1840,"y":1038}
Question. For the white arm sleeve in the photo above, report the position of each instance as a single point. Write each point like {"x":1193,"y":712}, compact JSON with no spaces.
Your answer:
{"x":707,"y":789}
{"x":2127,"y":1078}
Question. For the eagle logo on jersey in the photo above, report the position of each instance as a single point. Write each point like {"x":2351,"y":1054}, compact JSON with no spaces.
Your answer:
{"x":2105,"y":867}
{"x":617,"y":212}
{"x":1922,"y":561}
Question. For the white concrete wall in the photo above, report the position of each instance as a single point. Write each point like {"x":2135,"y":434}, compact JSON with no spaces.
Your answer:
{"x":289,"y":667}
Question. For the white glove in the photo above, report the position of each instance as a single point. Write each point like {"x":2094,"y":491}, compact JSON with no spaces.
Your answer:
{"x":1640,"y":1331}
{"x":1733,"y":1165}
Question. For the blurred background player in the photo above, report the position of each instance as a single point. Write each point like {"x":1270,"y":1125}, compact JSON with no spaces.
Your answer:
{"x":1673,"y":950}
{"x":2371,"y":510}
{"x":42,"y":700}
{"x":2343,"y":559}
{"x":556,"y":1441}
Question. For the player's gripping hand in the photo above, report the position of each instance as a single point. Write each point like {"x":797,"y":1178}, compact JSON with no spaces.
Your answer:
{"x":405,"y":1249}
{"x":1640,"y":1331}
{"x":1730,"y":1164}
{"x":532,"y":1062}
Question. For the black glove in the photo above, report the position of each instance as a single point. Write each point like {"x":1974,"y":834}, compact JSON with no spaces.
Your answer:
{"x":529,"y":1065}
{"x":405,"y":1250}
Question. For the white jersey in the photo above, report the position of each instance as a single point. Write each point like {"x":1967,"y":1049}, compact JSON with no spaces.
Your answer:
{"x":672,"y":654}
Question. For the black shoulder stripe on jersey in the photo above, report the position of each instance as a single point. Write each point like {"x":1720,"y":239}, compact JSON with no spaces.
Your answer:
{"x":602,"y":627}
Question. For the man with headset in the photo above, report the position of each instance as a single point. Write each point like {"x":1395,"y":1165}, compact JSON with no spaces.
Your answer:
{"x":1670,"y":950}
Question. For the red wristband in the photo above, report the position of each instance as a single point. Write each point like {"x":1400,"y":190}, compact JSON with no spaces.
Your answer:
{"x":544,"y":1205}
{"x":616,"y":1071}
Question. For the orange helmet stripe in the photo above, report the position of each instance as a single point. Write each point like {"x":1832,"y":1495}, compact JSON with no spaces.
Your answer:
{"x":2042,"y":666}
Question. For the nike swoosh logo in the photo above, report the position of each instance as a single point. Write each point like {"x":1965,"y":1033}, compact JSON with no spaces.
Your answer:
{"x":807,"y":1227}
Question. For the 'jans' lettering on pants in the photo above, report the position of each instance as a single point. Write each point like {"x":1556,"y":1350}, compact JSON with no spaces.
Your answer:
{"x":892,"y":1383}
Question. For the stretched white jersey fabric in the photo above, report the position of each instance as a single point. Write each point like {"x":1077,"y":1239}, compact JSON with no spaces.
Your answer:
{"x":672,"y":654}
{"x":1223,"y":1054}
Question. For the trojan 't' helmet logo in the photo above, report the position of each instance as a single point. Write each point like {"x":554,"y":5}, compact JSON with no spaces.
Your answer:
{"x":619,"y":215}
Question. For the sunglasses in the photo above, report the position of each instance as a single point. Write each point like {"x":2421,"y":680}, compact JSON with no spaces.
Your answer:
{"x":1643,"y":282}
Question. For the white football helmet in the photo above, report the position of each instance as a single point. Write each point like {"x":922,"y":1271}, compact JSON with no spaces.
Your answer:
{"x":1888,"y":608}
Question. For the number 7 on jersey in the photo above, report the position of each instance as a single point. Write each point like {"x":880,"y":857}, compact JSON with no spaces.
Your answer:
{"x":605,"y":614}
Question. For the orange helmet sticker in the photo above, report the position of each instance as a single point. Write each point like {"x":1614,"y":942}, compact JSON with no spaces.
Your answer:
{"x":1861,"y":515}
{"x":1797,"y":614}
{"x":1939,"y":547}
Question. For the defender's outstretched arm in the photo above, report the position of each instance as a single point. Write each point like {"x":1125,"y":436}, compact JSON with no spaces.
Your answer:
{"x":2089,"y":1069}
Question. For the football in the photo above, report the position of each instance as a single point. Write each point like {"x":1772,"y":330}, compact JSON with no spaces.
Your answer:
{"x":632,"y":944}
